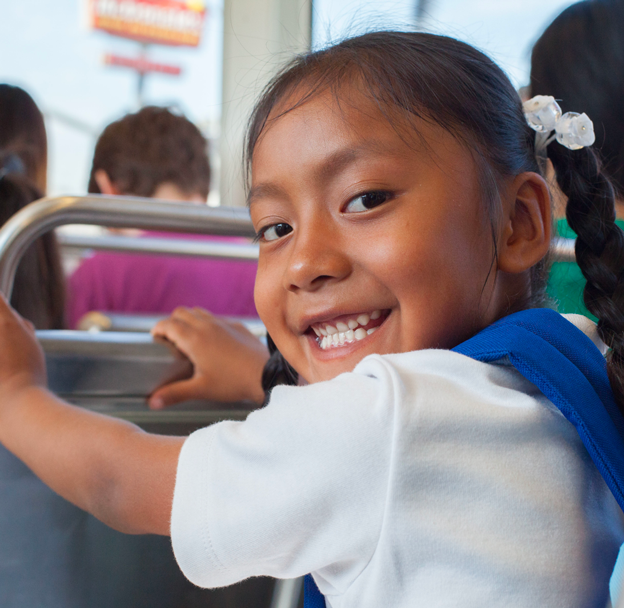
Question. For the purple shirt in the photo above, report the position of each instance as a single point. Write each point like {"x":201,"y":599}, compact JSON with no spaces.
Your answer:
{"x":152,"y":284}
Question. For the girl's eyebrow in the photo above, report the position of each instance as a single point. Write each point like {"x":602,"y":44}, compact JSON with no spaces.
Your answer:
{"x":338,"y":161}
{"x":264,"y":191}
{"x":329,"y":168}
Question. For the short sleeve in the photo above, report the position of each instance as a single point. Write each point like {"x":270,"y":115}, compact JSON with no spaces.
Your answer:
{"x":299,"y":486}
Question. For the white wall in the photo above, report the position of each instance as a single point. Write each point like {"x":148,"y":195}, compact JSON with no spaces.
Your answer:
{"x":258,"y":37}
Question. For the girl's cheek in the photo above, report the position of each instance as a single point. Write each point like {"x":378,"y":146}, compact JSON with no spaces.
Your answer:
{"x":269,"y":301}
{"x":260,"y":292}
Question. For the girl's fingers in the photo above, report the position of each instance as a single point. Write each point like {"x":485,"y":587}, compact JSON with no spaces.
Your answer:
{"x":8,"y":313}
{"x":202,"y":313}
{"x":5,"y":307}
{"x":181,"y":312}
{"x":160,"y":328}
{"x":171,"y":324}
{"x":190,"y":315}
{"x":176,"y":331}
{"x":22,"y":362}
{"x":175,"y":393}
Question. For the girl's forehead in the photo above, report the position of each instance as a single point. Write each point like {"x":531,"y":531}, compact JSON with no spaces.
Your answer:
{"x":328,"y":119}
{"x":346,"y":107}
{"x":329,"y":127}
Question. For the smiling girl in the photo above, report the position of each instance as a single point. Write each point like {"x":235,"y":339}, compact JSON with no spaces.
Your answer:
{"x":401,"y":212}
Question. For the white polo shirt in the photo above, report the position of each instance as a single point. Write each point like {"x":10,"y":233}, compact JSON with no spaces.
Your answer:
{"x":420,"y":479}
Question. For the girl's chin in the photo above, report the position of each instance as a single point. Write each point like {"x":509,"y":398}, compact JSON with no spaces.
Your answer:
{"x":327,"y":364}
{"x":322,"y":361}
{"x":324,"y":374}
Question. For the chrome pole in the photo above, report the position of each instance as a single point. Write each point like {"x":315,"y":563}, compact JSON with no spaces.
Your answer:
{"x":21,"y":230}
{"x":161,"y":246}
{"x":562,"y":250}
{"x":287,"y":592}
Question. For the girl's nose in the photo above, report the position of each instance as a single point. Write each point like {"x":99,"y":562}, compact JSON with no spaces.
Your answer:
{"x":318,"y":256}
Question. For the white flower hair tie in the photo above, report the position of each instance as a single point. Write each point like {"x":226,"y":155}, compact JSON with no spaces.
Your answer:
{"x":572,"y":130}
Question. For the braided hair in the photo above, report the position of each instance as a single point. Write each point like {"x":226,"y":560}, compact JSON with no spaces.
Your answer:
{"x":436,"y":78}
{"x":585,"y":44}
{"x":599,"y":248}
{"x":39,"y":286}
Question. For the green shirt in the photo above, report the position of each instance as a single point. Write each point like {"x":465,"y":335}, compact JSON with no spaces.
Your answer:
{"x":565,"y":282}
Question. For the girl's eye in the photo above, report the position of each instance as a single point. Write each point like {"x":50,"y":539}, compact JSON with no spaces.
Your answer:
{"x":366,"y":201}
{"x":274,"y":232}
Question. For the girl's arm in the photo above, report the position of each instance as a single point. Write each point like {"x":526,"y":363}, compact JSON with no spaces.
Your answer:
{"x":120,"y":474}
{"x":228,"y":359}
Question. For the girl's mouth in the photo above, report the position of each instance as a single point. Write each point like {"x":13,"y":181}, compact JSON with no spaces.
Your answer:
{"x":347,"y":329}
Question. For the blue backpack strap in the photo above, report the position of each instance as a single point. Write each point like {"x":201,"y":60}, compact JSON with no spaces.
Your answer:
{"x":570,"y":371}
{"x":312,"y":597}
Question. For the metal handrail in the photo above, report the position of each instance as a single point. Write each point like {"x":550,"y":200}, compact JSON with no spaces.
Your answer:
{"x":562,"y":250}
{"x":161,"y":245}
{"x":97,"y":321}
{"x":39,"y":217}
{"x":287,"y":593}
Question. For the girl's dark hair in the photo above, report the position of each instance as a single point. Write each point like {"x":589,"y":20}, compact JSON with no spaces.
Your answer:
{"x":39,"y":287}
{"x":442,"y":80}
{"x":22,"y":132}
{"x":599,"y":249}
{"x":579,"y":60}
{"x":276,"y":370}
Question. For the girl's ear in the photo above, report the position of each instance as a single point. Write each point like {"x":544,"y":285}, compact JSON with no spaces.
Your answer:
{"x":104,"y":183}
{"x":526,"y":224}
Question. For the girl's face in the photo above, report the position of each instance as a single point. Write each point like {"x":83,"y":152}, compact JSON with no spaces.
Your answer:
{"x":368,"y":244}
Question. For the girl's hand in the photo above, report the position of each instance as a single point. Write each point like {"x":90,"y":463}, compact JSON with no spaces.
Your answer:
{"x":228,"y":359}
{"x":22,"y":362}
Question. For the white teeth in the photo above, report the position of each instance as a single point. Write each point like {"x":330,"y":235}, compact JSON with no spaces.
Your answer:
{"x":344,"y":333}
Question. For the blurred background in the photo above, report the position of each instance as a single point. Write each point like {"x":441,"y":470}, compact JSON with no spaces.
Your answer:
{"x":88,"y":62}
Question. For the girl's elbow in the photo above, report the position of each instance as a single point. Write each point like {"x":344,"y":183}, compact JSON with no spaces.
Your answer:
{"x":133,"y":492}
{"x":127,"y":510}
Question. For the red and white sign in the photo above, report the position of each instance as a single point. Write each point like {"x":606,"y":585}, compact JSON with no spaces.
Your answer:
{"x":141,"y":65}
{"x":172,"y":22}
